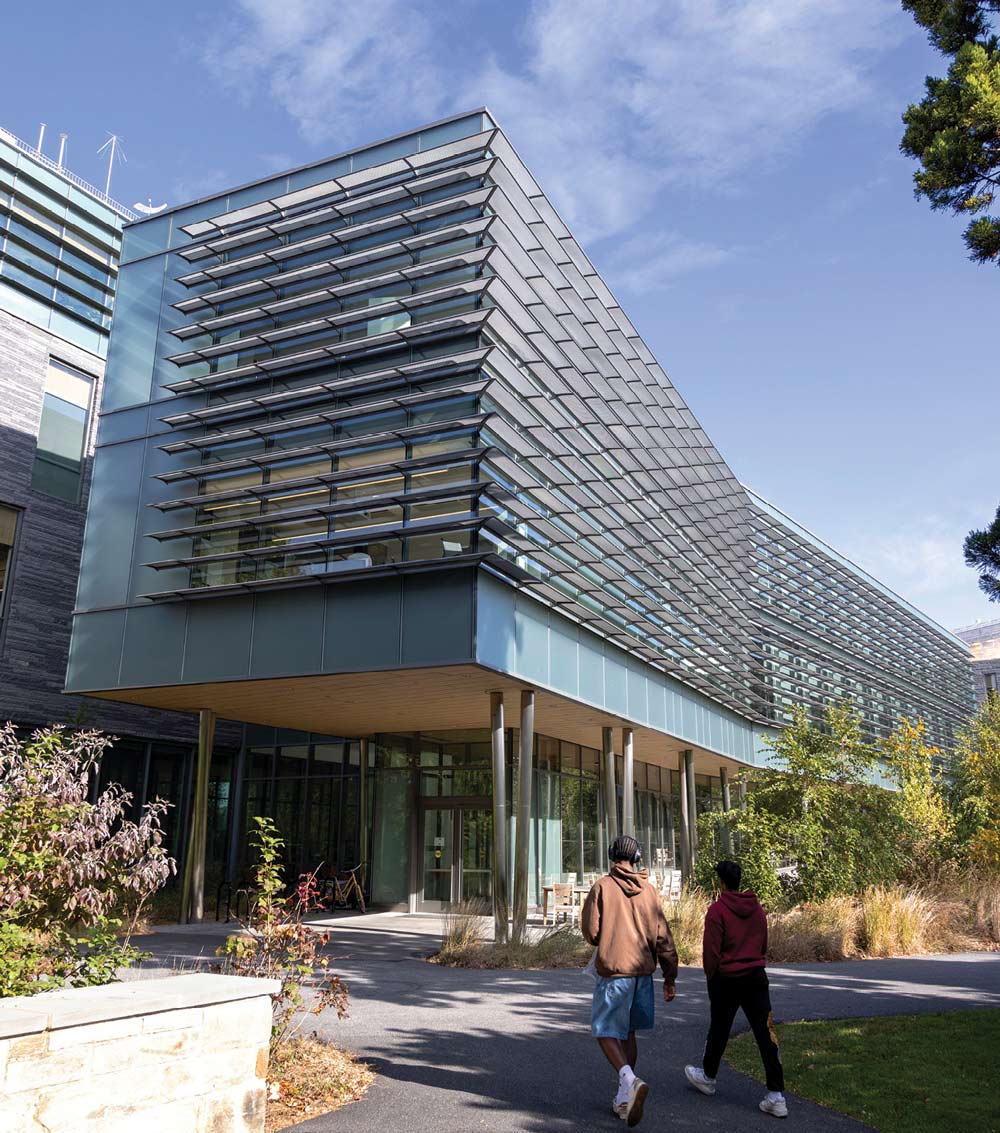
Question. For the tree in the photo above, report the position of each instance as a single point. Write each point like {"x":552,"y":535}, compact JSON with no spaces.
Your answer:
{"x":927,"y":822}
{"x":977,"y":782}
{"x":982,"y":551}
{"x":954,"y":132}
{"x":817,"y":805}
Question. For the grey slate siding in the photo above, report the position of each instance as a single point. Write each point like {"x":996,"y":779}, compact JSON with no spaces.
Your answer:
{"x":35,"y":632}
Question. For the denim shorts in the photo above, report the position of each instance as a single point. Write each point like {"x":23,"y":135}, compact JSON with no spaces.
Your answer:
{"x":621,"y":1005}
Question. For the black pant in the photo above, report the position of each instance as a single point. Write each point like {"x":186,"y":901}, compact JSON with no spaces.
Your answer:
{"x":726,"y":995}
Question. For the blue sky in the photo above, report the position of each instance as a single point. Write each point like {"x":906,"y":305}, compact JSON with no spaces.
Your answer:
{"x":731,"y":166}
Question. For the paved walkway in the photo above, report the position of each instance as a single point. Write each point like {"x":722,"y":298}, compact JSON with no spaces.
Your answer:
{"x":460,"y":1050}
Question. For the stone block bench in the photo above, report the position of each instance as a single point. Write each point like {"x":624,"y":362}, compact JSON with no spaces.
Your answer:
{"x":179,"y":1054}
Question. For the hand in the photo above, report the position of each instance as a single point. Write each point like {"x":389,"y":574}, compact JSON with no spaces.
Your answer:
{"x":669,"y":991}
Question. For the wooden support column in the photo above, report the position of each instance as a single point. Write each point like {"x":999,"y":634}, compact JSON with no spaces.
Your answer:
{"x":193,"y":884}
{"x":500,"y":900}
{"x":610,"y":788}
{"x":524,"y":773}
{"x":685,"y":832}
{"x":628,"y":783}
{"x":727,"y":805}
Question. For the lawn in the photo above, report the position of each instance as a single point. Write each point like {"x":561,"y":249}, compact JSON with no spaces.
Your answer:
{"x":912,"y":1073}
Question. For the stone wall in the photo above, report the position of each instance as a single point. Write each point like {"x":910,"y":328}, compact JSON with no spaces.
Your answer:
{"x":181,"y":1054}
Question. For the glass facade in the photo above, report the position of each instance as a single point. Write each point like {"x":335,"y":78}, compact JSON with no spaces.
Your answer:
{"x":373,"y":369}
{"x":432,"y":819}
{"x":830,"y":633}
{"x":60,"y":240}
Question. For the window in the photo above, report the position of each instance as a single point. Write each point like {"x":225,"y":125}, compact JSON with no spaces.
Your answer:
{"x":62,"y":436}
{"x":8,"y":529}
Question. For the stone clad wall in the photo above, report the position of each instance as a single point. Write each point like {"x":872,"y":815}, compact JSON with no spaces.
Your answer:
{"x":181,"y":1054}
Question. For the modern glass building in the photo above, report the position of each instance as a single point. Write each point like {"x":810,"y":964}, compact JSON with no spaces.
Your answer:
{"x":380,"y":457}
{"x":60,"y":243}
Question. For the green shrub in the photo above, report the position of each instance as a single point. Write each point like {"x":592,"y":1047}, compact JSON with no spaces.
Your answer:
{"x":74,"y":874}
{"x":275,"y":944}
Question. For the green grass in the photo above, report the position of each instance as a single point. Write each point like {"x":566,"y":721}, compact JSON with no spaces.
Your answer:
{"x":912,"y":1073}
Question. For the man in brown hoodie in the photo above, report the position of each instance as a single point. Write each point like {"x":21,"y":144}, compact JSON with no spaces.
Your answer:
{"x":622,"y":917}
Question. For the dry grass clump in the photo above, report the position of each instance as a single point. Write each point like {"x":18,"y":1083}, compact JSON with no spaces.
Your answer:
{"x":821,"y":930}
{"x":898,"y":922}
{"x":464,"y":944}
{"x":686,"y":918}
{"x":882,"y":921}
{"x":308,"y":1077}
{"x":465,"y":931}
{"x":983,"y":897}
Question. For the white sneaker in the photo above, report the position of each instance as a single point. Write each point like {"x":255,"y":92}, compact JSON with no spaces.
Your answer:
{"x":620,"y":1109}
{"x":637,"y":1092}
{"x":774,"y":1104}
{"x":699,"y":1079}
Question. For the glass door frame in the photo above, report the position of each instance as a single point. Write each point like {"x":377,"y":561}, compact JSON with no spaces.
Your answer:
{"x":456,"y":804}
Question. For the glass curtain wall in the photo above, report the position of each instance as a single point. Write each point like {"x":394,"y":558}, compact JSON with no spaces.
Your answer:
{"x":416,"y":775}
{"x":311,"y":788}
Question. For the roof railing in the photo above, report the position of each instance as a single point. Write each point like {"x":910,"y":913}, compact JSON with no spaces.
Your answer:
{"x":91,"y":190}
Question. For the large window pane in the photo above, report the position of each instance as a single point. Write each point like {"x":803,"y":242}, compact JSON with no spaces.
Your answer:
{"x":62,"y":434}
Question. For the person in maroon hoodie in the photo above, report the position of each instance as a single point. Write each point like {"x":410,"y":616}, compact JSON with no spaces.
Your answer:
{"x":733,"y":954}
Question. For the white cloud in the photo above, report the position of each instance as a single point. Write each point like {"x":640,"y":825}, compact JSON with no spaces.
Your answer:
{"x":615,"y":101}
{"x":336,"y":70}
{"x":642,"y":262}
{"x":608,"y":102}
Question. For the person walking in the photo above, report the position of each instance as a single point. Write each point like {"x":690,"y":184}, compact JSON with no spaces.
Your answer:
{"x":734,"y":951}
{"x":622,"y":917}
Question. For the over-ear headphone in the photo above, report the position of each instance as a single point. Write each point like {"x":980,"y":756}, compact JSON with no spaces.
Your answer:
{"x":625,"y":848}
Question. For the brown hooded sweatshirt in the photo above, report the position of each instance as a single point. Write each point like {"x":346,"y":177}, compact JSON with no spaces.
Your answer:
{"x":623,"y":918}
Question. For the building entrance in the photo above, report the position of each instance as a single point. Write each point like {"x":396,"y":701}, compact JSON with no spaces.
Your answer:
{"x":457,"y":853}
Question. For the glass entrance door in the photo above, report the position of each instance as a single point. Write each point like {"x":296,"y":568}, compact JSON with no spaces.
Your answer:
{"x":438,"y":857}
{"x":457,"y":856}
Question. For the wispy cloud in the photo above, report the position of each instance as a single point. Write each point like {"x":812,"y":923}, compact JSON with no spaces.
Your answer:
{"x":608,"y":102}
{"x":644,"y":261}
{"x":922,"y":561}
{"x":334,"y":70}
{"x":616,"y":104}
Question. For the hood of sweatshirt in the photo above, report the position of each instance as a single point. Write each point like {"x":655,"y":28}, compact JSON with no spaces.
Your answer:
{"x":741,"y":904}
{"x":630,"y":881}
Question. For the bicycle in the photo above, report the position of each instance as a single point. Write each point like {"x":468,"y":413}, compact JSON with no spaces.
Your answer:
{"x":347,"y":889}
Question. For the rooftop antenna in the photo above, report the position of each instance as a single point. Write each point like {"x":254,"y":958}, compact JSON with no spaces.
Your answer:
{"x":62,"y":147}
{"x":41,"y":136}
{"x":114,"y":146}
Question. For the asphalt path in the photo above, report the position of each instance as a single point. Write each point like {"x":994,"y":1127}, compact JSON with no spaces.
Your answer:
{"x":462,"y":1050}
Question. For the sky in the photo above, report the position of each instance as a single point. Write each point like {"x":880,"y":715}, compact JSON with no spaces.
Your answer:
{"x":730,"y":166}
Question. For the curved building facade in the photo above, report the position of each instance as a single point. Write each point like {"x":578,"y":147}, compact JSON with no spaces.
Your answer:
{"x":380,"y":454}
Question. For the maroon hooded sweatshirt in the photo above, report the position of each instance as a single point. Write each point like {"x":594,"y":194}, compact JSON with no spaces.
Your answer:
{"x":735,"y":938}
